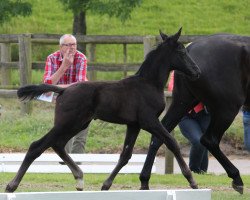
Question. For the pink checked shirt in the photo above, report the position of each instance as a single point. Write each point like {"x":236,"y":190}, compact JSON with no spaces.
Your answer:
{"x":199,"y":107}
{"x":76,"y":73}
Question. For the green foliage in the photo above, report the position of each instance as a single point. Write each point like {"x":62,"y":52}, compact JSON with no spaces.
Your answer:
{"x":13,"y":8}
{"x":113,"y":8}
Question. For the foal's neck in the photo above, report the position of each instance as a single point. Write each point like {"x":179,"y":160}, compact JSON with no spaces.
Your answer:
{"x":155,"y":70}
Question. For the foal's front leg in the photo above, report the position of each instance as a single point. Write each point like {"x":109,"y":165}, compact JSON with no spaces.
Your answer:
{"x":131,"y":136}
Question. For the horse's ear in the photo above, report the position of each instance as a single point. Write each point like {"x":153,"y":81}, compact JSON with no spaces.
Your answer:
{"x":163,"y":35}
{"x":176,"y":36}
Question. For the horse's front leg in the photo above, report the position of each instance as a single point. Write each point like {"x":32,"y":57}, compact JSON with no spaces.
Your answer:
{"x":131,"y":136}
{"x":157,"y":129}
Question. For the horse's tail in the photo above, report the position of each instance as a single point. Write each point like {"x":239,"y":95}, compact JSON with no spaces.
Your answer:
{"x":32,"y":91}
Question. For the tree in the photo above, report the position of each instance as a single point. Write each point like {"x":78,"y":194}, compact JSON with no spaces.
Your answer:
{"x":13,"y":8}
{"x":113,"y":8}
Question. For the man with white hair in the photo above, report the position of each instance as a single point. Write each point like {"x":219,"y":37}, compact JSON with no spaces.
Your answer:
{"x":64,"y":68}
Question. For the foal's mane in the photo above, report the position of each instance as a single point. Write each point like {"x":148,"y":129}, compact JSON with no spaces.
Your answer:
{"x":148,"y":59}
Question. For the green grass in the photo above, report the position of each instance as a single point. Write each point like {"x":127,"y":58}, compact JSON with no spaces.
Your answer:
{"x":219,"y":185}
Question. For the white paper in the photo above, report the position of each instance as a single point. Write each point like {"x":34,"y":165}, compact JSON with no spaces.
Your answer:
{"x":46,"y":97}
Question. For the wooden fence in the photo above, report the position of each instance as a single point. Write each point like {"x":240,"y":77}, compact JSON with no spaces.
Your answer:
{"x":26,"y":64}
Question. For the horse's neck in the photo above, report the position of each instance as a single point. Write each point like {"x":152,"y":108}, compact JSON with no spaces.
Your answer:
{"x":155,"y":72}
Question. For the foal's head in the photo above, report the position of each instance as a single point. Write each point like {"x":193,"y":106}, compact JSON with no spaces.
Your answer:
{"x":178,"y":58}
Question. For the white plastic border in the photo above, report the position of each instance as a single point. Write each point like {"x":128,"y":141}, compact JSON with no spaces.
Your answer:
{"x":182,"y":194}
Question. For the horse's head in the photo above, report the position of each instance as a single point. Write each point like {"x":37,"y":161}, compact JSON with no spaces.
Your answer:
{"x":179,"y":58}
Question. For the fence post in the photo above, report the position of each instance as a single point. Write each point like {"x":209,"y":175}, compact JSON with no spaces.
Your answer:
{"x":5,"y":57}
{"x":148,"y":43}
{"x":125,"y":72}
{"x":169,"y":157}
{"x":25,"y":65}
{"x":92,"y":74}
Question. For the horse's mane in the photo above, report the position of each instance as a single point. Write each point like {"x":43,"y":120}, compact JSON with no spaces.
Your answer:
{"x":147,"y":59}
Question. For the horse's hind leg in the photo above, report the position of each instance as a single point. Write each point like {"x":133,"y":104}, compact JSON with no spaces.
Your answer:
{"x":157,"y":129}
{"x":211,"y":140}
{"x":131,"y":136}
{"x":76,"y":171}
{"x":34,"y":151}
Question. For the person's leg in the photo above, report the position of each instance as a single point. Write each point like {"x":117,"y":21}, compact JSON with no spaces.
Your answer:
{"x":191,"y":129}
{"x":246,"y":123}
{"x":204,"y":161}
{"x":203,"y":119}
{"x":79,"y":142}
{"x":68,"y":146}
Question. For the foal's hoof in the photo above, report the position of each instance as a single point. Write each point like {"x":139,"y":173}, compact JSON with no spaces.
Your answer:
{"x":79,"y":184}
{"x":238,"y":188}
{"x":10,"y":189}
{"x":194,"y":186}
{"x":106,"y":185}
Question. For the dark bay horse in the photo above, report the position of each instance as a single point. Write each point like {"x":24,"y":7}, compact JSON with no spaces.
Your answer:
{"x":223,"y":87}
{"x":136,"y":101}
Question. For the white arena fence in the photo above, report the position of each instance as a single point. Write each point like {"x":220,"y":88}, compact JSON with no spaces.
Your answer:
{"x":189,"y":194}
{"x":90,"y":163}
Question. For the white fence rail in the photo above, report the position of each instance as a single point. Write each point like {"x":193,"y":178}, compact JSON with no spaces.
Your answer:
{"x":204,"y":194}
{"x":90,"y":163}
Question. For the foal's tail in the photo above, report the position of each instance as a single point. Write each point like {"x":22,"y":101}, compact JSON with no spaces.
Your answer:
{"x":32,"y":91}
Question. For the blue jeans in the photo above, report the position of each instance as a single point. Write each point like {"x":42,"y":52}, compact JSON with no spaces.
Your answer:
{"x":193,"y":127}
{"x":246,"y":124}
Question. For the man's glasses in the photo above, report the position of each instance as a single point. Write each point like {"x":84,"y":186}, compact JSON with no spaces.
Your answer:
{"x":69,"y":45}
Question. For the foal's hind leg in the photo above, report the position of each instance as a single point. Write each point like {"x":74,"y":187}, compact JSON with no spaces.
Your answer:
{"x":35,"y":150}
{"x":131,"y":136}
{"x":145,"y":174}
{"x":169,"y":121}
{"x":157,"y":129}
{"x":76,"y":171}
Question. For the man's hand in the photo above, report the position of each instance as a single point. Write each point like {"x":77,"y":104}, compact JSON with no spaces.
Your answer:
{"x":68,"y":59}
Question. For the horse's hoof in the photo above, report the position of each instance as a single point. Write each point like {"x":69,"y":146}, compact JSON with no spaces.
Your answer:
{"x":238,"y":188}
{"x":79,"y":184}
{"x":194,"y":186}
{"x":144,"y":188}
{"x":9,"y":189}
{"x":104,"y":187}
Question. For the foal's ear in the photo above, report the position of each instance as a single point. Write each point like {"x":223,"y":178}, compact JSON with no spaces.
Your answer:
{"x":176,"y":36}
{"x":163,"y":36}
